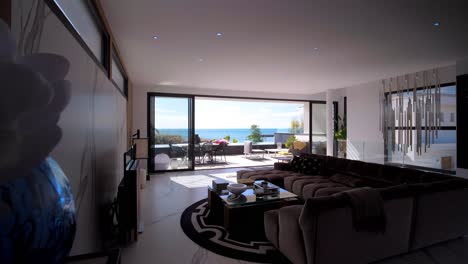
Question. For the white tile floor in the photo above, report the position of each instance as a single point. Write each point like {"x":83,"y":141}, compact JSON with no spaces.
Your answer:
{"x":167,"y":195}
{"x":236,"y":161}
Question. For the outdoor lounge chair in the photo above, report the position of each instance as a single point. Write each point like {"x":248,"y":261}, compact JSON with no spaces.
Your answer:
{"x":251,"y":153}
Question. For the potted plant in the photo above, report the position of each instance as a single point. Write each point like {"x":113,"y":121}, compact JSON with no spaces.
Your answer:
{"x":341,"y":137}
{"x":289,"y":143}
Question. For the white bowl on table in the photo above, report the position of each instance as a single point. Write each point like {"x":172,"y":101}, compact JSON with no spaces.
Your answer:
{"x":236,"y":188}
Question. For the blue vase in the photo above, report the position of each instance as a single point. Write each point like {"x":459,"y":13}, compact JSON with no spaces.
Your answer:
{"x":37,"y":216}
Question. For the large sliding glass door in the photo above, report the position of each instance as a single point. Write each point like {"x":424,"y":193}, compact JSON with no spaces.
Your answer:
{"x":170,"y":132}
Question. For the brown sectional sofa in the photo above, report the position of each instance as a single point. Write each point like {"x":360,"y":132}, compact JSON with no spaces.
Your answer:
{"x":421,"y":208}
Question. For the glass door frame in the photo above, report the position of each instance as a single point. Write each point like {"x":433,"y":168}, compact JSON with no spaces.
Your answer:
{"x":190,"y":125}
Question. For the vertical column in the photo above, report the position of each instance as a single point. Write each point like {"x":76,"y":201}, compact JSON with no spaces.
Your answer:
{"x":329,"y":121}
{"x":462,"y":119}
{"x":462,"y":124}
{"x":306,"y":118}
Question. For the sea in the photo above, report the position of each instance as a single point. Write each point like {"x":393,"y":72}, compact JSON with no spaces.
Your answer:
{"x":240,"y":134}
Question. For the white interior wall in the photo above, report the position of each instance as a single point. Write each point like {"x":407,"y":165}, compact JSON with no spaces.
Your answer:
{"x":462,"y":66}
{"x":140,"y":96}
{"x":365,"y":142}
{"x":94,"y":134}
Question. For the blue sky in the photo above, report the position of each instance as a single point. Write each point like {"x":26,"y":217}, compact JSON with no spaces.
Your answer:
{"x":209,"y":113}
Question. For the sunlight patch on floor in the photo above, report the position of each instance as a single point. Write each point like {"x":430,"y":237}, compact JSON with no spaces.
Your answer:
{"x":195,"y":181}
{"x":228,"y":176}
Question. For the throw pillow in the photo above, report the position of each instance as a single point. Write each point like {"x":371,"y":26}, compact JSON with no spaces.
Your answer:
{"x":347,"y":180}
{"x":296,"y":164}
{"x":311,"y":165}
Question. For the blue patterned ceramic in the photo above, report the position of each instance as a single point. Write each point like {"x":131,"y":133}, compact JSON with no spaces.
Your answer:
{"x":37,"y":216}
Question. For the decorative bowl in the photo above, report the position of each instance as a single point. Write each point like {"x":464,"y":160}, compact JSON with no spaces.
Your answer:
{"x":237,"y":188}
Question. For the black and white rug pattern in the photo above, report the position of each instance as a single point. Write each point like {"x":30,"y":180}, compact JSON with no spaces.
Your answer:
{"x":200,"y":228}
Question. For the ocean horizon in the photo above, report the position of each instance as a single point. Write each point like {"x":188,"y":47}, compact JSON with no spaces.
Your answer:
{"x":240,"y":134}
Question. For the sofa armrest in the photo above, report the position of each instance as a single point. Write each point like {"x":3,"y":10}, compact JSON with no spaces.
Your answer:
{"x":271,"y":223}
{"x":327,"y":226}
{"x":290,"y":239}
{"x":282,"y":166}
{"x":441,"y":214}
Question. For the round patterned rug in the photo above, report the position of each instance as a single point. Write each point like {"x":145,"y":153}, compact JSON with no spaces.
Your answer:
{"x":203,"y":229}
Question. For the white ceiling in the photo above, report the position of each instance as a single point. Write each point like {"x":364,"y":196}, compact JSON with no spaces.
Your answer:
{"x":269,"y":45}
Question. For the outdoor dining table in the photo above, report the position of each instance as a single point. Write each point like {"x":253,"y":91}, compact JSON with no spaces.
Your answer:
{"x":202,"y":155}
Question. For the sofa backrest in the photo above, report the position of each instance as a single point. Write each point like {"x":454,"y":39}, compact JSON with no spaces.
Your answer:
{"x":386,"y":174}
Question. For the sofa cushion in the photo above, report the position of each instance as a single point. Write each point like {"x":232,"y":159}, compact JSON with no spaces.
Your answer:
{"x":348,"y":180}
{"x":310,"y":190}
{"x":299,"y":184}
{"x":274,"y":176}
{"x":289,"y":181}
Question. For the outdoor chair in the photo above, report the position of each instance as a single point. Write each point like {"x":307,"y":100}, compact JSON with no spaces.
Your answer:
{"x":220,"y":151}
{"x":177,"y":152}
{"x":249,"y":152}
{"x":207,"y":151}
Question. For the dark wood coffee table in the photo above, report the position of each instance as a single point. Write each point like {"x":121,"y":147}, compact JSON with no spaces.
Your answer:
{"x":245,"y":218}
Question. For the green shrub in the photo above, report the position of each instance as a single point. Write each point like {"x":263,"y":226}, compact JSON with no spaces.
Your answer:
{"x":255,"y":134}
{"x":228,"y":138}
{"x":235,"y":140}
{"x":168,"y":139}
{"x":290,"y":141}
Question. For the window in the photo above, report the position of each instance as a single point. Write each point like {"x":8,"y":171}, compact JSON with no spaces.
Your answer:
{"x":84,"y":21}
{"x":443,"y":146}
{"x":118,"y":75}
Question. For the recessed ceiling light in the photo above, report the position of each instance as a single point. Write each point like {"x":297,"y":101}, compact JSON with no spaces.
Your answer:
{"x":316,"y":49}
{"x":436,"y":23}
{"x":155,"y":37}
{"x":200,"y":59}
{"x":219,"y":34}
